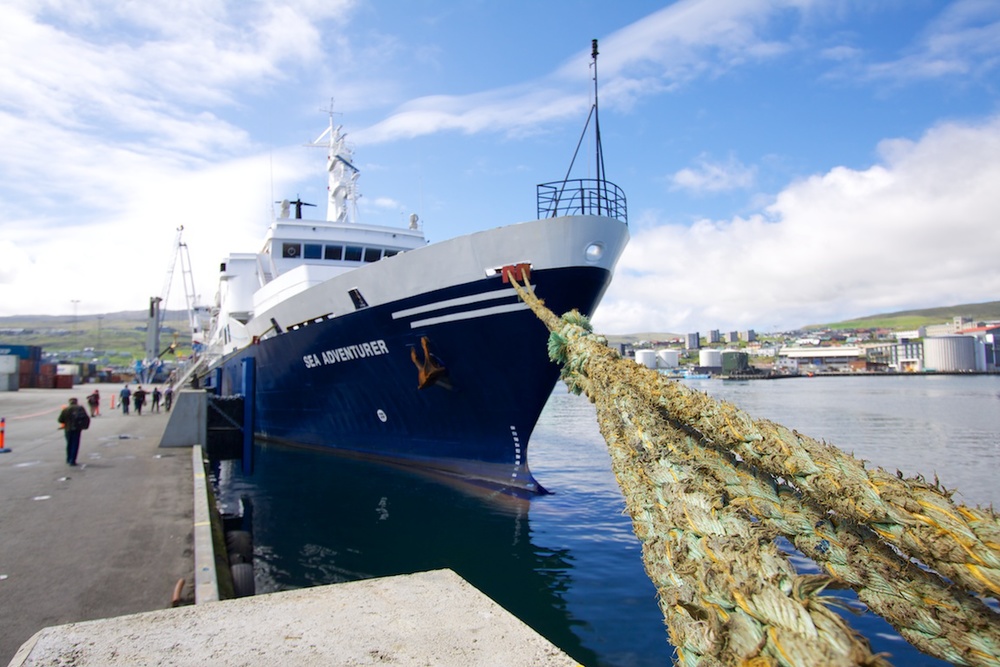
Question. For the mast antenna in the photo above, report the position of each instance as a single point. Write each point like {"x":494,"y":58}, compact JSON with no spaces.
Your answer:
{"x":602,"y":189}
{"x":598,"y":151}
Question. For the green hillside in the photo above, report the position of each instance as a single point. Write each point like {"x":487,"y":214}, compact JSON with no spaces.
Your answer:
{"x":112,"y":339}
{"x":905,"y":320}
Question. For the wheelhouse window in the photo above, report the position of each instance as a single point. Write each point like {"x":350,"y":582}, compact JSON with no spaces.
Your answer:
{"x":353,"y":253}
{"x":373,"y":254}
{"x":312,"y":251}
{"x":389,"y":252}
{"x":291,"y":249}
{"x":334,"y":252}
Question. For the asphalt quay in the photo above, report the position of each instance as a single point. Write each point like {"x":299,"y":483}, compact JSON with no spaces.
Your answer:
{"x":91,"y":557}
{"x":109,"y":537}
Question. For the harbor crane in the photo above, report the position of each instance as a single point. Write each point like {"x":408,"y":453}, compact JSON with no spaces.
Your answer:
{"x":147,"y":368}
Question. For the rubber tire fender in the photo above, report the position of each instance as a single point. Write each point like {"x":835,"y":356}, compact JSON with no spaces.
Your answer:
{"x":243,"y":583}
{"x":239,"y":546}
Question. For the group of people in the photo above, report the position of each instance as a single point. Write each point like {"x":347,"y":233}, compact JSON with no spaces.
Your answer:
{"x":74,"y":418}
{"x":138,"y":398}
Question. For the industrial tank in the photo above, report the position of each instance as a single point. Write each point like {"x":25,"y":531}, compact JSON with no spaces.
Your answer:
{"x":711,"y":358}
{"x":669,"y":358}
{"x":646,"y":357}
{"x":950,"y":353}
{"x":735,"y":361}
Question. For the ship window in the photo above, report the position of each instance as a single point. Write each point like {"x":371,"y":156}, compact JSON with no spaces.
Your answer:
{"x":373,"y":254}
{"x":291,"y":249}
{"x":334,"y":252}
{"x":389,"y":252}
{"x":313,"y":251}
{"x":353,"y":253}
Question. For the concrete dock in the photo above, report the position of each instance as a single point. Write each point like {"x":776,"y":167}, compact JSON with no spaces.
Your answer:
{"x":109,"y":537}
{"x":91,"y":557}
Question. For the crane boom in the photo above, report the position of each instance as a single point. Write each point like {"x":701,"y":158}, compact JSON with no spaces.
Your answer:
{"x":148,"y":366}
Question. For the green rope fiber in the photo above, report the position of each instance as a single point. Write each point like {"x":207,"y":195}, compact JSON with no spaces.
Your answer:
{"x":680,"y":455}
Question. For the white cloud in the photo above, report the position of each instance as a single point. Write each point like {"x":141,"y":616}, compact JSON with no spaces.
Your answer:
{"x":919,"y":229}
{"x":710,"y":176}
{"x":964,"y":40}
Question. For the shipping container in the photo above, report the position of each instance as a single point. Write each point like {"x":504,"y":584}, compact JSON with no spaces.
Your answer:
{"x":32,"y":352}
{"x":9,"y":364}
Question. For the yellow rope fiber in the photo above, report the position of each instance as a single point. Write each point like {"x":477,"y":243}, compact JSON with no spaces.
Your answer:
{"x":708,"y":489}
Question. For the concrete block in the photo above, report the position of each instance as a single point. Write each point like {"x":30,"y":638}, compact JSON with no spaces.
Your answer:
{"x":188,"y":419}
{"x":427,"y":618}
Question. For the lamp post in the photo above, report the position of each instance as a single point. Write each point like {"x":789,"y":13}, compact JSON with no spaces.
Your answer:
{"x":76,"y":332}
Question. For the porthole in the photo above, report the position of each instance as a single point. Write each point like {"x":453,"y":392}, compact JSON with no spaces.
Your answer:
{"x":594,"y":252}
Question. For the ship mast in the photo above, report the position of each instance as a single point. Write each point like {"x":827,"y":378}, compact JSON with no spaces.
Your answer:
{"x":598,"y":151}
{"x":342,"y":189}
{"x":601,"y":190}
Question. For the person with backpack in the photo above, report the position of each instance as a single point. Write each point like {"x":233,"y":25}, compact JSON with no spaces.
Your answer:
{"x":74,"y":420}
{"x":94,"y":401}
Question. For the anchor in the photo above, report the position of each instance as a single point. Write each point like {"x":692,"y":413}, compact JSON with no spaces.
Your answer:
{"x":429,"y":371}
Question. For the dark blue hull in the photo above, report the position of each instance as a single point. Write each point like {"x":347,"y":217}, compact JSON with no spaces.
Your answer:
{"x":351,"y":383}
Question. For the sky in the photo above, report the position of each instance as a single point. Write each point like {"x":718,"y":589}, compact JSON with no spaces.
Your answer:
{"x":786,"y":162}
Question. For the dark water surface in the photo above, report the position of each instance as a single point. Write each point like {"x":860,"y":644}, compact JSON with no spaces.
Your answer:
{"x":568,"y":564}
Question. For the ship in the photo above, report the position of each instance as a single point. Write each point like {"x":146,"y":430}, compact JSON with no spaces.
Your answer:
{"x":371,"y":342}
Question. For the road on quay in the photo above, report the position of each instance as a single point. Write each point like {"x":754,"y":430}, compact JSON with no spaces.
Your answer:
{"x":109,"y":537}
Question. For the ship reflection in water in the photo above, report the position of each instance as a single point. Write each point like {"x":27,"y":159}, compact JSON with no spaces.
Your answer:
{"x":320,"y":519}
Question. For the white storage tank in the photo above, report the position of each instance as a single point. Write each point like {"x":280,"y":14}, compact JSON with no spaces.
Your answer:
{"x":646,"y":357}
{"x":669,"y":358}
{"x":711,"y":358}
{"x":950,"y":353}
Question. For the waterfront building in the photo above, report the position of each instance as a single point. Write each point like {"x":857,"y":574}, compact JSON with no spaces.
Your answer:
{"x":843,"y":358}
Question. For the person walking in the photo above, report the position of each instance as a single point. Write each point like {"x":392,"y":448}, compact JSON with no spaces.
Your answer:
{"x":74,"y":420}
{"x":157,"y":394}
{"x":124,"y":395}
{"x":168,"y":397}
{"x":94,"y":402}
{"x":139,"y":399}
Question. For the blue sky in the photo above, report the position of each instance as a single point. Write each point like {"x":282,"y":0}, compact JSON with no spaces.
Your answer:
{"x":786,"y":162}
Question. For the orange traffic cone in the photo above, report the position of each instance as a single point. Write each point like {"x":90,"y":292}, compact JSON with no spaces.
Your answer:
{"x":3,"y":427}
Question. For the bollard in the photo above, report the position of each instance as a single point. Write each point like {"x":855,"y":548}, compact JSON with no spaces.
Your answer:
{"x":3,"y":427}
{"x":112,"y":401}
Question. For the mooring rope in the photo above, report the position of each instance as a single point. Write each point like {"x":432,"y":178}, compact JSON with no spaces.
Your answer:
{"x":709,"y":488}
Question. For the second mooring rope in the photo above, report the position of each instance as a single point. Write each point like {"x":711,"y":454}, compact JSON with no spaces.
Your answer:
{"x":709,"y":488}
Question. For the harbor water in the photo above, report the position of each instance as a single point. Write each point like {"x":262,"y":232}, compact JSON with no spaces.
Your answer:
{"x":568,"y":564}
